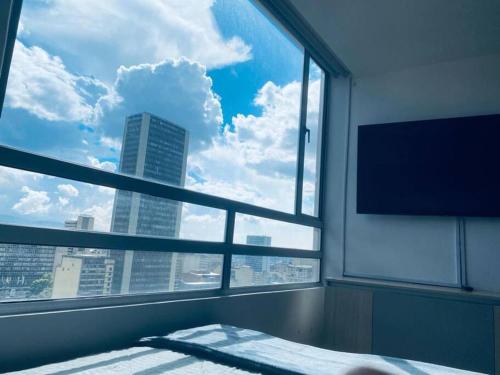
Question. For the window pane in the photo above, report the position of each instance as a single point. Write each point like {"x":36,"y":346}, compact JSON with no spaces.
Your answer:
{"x":203,"y":95}
{"x":29,"y":272}
{"x":312,"y":151}
{"x":251,"y":230}
{"x":258,"y":270}
{"x":37,"y":200}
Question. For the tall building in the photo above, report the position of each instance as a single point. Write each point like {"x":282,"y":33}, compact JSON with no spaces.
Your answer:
{"x":156,"y":149}
{"x":25,"y":270}
{"x":258,"y":263}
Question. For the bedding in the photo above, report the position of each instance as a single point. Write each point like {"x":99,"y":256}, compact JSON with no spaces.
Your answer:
{"x":136,"y":360}
{"x":256,"y":350}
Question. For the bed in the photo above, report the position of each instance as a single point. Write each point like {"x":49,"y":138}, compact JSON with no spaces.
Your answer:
{"x":224,"y":349}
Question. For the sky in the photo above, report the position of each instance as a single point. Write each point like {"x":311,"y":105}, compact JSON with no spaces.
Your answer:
{"x":220,"y":69}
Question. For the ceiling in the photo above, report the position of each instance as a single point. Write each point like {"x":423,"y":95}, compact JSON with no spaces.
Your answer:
{"x":378,"y":36}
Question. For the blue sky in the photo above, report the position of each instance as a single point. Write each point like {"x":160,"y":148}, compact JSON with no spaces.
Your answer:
{"x":275,"y":58}
{"x":202,"y":64}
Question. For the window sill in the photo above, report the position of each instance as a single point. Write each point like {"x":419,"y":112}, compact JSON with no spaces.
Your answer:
{"x":47,"y":306}
{"x":417,"y":289}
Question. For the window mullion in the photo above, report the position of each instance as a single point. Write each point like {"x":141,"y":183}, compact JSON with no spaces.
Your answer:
{"x":228,"y":240}
{"x":302,"y":132}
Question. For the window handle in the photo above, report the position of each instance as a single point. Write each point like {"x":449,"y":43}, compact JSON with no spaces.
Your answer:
{"x":308,"y":135}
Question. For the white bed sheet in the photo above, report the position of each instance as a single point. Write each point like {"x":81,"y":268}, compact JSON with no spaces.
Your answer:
{"x":135,"y":360}
{"x":253,"y":347}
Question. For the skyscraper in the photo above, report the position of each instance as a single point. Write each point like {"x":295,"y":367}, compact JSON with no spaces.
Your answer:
{"x":258,"y":263}
{"x":156,"y":149}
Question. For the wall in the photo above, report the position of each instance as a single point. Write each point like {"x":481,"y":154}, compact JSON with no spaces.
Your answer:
{"x":429,"y":324}
{"x":415,"y":249}
{"x":34,"y":339}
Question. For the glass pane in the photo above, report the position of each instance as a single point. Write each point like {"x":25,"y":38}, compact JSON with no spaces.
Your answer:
{"x":38,"y":200}
{"x":203,"y":95}
{"x":252,"y":230}
{"x":312,"y":151}
{"x":29,"y":272}
{"x":258,"y":270}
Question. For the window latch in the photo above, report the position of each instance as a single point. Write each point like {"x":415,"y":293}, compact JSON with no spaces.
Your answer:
{"x":308,"y":135}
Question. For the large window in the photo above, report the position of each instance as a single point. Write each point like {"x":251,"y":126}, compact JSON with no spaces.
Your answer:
{"x":202,"y":124}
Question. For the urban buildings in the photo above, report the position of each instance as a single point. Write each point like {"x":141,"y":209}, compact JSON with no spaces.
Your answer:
{"x":152,"y":148}
{"x":81,"y":271}
{"x":83,"y":275}
{"x":25,"y":271}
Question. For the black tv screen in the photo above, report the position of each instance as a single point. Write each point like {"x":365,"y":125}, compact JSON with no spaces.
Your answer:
{"x":432,"y":167}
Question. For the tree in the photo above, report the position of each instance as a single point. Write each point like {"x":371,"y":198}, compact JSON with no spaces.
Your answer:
{"x":41,"y":287}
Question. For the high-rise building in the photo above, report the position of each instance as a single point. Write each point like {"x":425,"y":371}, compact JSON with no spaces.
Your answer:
{"x":156,"y":149}
{"x":258,"y":263}
{"x":25,"y":270}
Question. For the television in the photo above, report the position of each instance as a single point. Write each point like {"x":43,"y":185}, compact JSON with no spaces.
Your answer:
{"x":432,"y":167}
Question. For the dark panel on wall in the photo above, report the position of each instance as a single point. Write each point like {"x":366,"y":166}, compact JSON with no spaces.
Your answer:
{"x":442,"y":331}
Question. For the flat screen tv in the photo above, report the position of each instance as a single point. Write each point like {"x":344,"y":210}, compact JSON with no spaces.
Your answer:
{"x":432,"y":167}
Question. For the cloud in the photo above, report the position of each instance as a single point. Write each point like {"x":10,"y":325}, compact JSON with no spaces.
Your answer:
{"x":102,"y":215}
{"x":177,"y":90}
{"x":11,"y":176}
{"x":40,"y":84}
{"x":112,"y":143}
{"x":255,"y":163}
{"x":132,"y":32}
{"x":68,"y":190}
{"x":106,"y":165}
{"x":33,"y":202}
{"x":63,"y":201}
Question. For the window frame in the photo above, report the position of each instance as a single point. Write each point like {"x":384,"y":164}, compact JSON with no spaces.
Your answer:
{"x":31,"y":162}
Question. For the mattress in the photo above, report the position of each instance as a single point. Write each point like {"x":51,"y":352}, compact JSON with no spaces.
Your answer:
{"x":258,"y":351}
{"x":136,"y":360}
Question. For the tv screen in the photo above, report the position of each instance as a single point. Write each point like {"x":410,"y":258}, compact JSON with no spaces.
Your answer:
{"x":432,"y":167}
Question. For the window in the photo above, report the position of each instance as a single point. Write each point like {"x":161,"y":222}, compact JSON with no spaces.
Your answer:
{"x":251,"y":230}
{"x":247,"y":270}
{"x":312,"y":151}
{"x":194,"y":152}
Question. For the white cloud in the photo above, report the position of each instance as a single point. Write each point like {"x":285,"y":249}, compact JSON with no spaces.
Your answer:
{"x":106,"y":165}
{"x":178,"y":90}
{"x":112,"y":143}
{"x":102,"y":215}
{"x":133,"y":32}
{"x":63,"y":201}
{"x":256,"y":163}
{"x":9,"y":177}
{"x":33,"y":202}
{"x":68,"y":190}
{"x":106,"y":190}
{"x":40,"y":84}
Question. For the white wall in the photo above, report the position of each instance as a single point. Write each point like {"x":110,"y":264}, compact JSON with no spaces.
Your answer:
{"x":418,"y":249}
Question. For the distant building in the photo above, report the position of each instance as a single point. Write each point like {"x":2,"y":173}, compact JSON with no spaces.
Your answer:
{"x":82,"y":222}
{"x":24,"y":266}
{"x":198,"y":280}
{"x":83,"y":275}
{"x":242,"y":276}
{"x":258,"y":263}
{"x":156,"y":149}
